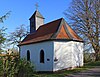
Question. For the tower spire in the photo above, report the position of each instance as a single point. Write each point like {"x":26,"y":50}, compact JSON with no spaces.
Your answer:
{"x":36,"y":20}
{"x":36,"y":5}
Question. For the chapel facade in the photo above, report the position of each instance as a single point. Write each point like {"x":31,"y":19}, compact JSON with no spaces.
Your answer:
{"x":52,"y":46}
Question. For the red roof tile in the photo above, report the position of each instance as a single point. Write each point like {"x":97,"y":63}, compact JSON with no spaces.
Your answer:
{"x":57,"y":29}
{"x":62,"y":34}
{"x":73,"y":34}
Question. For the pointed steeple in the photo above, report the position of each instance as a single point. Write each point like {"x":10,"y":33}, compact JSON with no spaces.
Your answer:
{"x":38,"y":14}
{"x":36,"y":20}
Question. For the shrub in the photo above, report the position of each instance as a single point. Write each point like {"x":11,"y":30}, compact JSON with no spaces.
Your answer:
{"x":25,"y":68}
{"x":12,"y":66}
{"x":89,"y":57}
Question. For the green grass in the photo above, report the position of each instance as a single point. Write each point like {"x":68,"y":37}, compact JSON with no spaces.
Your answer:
{"x":93,"y":64}
{"x":64,"y":73}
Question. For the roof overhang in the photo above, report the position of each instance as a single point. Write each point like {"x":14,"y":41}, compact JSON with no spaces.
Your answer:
{"x":60,"y":40}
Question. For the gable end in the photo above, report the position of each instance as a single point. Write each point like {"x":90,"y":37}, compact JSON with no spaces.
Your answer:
{"x":62,"y":31}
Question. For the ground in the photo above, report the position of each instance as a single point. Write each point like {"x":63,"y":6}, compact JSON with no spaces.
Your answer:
{"x":91,"y":69}
{"x":93,"y":72}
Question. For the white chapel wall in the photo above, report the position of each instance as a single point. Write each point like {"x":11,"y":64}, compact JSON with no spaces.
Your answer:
{"x":69,"y":54}
{"x":77,"y":54}
{"x":35,"y":55}
{"x":63,"y":52}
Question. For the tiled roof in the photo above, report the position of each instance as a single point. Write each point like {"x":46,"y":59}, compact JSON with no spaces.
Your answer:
{"x":54,"y":30}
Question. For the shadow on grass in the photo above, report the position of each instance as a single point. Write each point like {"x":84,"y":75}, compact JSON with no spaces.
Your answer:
{"x":61,"y":73}
{"x":64,"y":73}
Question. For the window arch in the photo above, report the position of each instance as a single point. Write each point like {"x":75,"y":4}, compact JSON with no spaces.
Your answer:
{"x":28,"y":55}
{"x":41,"y":56}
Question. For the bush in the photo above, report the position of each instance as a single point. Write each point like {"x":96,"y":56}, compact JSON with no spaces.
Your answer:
{"x":12,"y":66}
{"x":25,"y":68}
{"x":96,"y":63}
{"x":89,"y":57}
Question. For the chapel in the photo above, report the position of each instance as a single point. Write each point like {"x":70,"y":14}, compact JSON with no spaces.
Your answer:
{"x":52,"y":46}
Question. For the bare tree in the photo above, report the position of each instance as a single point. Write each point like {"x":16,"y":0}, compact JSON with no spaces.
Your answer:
{"x":4,"y":17}
{"x":17,"y":36}
{"x":85,"y":20}
{"x":2,"y":30}
{"x":2,"y":36}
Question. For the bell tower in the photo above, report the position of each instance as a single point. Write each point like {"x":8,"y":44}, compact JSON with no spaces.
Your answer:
{"x":36,"y":20}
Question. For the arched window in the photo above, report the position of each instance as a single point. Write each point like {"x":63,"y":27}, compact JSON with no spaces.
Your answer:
{"x":41,"y":56}
{"x":28,"y":55}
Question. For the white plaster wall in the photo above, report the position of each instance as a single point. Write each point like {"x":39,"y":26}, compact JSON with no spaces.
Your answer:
{"x":69,"y":54}
{"x":35,"y":55}
{"x":77,"y":54}
{"x":63,"y":52}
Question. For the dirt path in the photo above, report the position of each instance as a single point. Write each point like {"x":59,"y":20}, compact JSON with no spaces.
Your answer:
{"x":93,"y":72}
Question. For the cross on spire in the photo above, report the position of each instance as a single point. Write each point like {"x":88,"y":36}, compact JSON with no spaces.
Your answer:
{"x":36,"y":5}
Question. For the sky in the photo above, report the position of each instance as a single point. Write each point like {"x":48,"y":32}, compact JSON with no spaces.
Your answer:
{"x":21,"y":11}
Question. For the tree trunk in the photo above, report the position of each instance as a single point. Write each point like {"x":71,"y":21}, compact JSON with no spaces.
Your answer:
{"x":97,"y":55}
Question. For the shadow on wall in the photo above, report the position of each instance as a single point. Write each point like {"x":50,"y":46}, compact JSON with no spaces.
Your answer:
{"x":78,"y":55}
{"x":63,"y":55}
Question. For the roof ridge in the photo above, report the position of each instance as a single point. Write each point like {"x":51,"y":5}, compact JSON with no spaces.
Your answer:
{"x":66,"y":29}
{"x":54,"y":34}
{"x":51,"y":21}
{"x":67,"y":25}
{"x":57,"y":29}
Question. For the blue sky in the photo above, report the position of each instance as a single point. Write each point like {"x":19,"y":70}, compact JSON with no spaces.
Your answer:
{"x":21,"y":11}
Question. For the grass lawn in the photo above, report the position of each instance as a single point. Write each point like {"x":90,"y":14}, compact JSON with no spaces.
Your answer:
{"x":92,"y":64}
{"x":64,"y":73}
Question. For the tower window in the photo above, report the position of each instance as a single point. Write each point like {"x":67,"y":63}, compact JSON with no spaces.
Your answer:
{"x":28,"y":55}
{"x":41,"y":56}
